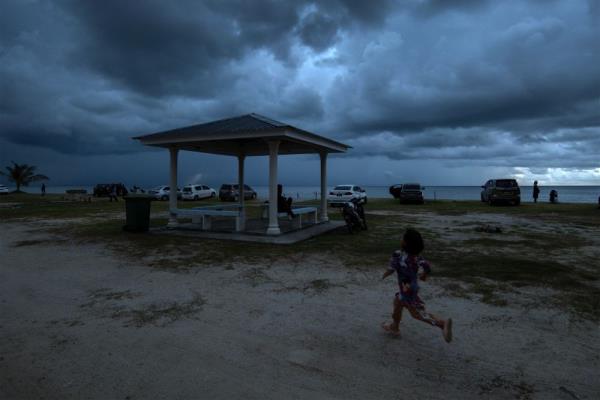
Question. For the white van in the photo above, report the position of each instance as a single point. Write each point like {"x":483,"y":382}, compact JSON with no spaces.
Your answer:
{"x":197,"y":192}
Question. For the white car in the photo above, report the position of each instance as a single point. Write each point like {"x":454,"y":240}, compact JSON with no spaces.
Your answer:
{"x":197,"y":192}
{"x":344,"y":193}
{"x":3,"y":189}
{"x":162,"y":192}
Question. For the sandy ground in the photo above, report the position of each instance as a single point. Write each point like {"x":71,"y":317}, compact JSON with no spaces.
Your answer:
{"x":81,"y":323}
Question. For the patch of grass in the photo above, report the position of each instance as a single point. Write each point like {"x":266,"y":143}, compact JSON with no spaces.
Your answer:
{"x":317,"y":286}
{"x":320,"y":285}
{"x":161,"y":314}
{"x":24,"y":243}
{"x":54,"y":206}
{"x":579,"y":287}
{"x":105,"y":294}
{"x":31,"y":206}
{"x":455,"y":289}
{"x":256,"y":276}
{"x":490,"y":293}
{"x":512,"y":268}
{"x":585,"y":303}
{"x":493,"y":243}
{"x":583,"y":214}
{"x":521,"y":390}
{"x":536,"y":240}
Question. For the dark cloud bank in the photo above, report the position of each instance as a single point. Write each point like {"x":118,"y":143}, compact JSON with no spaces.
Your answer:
{"x":511,"y":85}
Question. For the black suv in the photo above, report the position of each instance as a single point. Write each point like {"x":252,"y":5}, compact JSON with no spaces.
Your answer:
{"x":230,"y":192}
{"x":501,"y":191}
{"x":104,"y":189}
{"x":408,"y":192}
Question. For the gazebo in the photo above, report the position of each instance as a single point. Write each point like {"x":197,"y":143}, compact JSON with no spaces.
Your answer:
{"x":241,"y":137}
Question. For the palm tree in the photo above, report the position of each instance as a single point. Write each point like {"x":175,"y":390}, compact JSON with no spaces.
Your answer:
{"x":23,"y":175}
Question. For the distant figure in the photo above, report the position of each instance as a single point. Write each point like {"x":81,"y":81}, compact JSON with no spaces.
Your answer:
{"x":113,"y":193}
{"x":121,"y":190}
{"x":284,"y":204}
{"x":536,"y":191}
{"x":43,"y":189}
{"x":553,"y":196}
{"x":406,"y":263}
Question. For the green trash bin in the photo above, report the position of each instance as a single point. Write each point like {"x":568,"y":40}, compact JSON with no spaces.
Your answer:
{"x":137,"y":213}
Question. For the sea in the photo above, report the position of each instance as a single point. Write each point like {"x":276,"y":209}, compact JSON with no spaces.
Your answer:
{"x":566,"y":194}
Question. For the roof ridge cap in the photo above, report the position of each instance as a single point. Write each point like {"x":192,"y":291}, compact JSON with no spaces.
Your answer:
{"x":268,"y":120}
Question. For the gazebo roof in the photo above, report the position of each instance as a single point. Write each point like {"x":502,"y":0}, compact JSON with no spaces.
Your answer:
{"x":246,"y":134}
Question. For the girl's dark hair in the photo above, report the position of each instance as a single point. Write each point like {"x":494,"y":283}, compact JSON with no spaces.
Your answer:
{"x":413,"y":242}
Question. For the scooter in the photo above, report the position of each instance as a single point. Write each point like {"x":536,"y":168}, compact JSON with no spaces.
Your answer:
{"x":354,"y":215}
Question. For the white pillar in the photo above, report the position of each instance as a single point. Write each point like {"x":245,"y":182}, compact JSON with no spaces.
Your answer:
{"x":241,"y":158}
{"x":173,"y":189}
{"x":273,"y":228}
{"x":323,"y":217}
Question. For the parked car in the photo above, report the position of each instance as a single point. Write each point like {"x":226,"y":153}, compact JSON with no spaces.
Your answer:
{"x":3,"y":189}
{"x":197,"y":192}
{"x":230,"y":192}
{"x":395,"y":190}
{"x":344,"y":193}
{"x":501,"y":191}
{"x":408,"y":193}
{"x":104,"y":189}
{"x":163,"y":192}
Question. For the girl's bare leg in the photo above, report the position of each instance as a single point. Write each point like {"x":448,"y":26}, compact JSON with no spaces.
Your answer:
{"x":397,"y":314}
{"x":426,"y":317}
{"x":394,"y":327}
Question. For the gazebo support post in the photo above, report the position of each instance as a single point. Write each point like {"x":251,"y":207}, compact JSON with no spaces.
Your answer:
{"x":323,"y":217}
{"x":173,"y":189}
{"x":273,"y":228}
{"x":242,"y":225}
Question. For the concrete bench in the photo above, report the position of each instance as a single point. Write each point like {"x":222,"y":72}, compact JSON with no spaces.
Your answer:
{"x":298,"y":215}
{"x":204,"y":215}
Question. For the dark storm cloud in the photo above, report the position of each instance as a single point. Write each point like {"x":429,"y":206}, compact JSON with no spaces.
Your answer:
{"x":429,"y":8}
{"x":530,"y":69}
{"x":564,"y":149}
{"x":185,"y":47}
{"x":318,"y":31}
{"x":72,"y":72}
{"x":498,"y":83}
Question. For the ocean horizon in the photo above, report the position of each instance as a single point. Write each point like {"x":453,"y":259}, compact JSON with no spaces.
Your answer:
{"x":566,"y":194}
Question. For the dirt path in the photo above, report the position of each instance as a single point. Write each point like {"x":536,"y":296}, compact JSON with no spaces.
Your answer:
{"x":78,"y":322}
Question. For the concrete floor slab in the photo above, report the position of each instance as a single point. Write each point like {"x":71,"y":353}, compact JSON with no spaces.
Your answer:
{"x":286,"y":237}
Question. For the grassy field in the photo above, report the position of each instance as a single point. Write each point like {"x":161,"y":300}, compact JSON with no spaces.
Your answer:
{"x":544,"y":246}
{"x":25,"y":205}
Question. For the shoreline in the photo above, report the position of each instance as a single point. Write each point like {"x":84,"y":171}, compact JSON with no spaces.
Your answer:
{"x":567,"y":194}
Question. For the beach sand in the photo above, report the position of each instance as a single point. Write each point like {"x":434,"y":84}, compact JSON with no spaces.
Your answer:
{"x":81,"y":321}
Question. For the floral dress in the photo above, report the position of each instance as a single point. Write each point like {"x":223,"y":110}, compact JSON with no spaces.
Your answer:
{"x":407,"y":268}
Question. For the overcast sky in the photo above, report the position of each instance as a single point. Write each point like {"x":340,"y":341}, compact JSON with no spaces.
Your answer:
{"x":437,"y":91}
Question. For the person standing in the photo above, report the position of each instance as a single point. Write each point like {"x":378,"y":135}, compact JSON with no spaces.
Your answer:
{"x":536,"y":191}
{"x":43,"y":189}
{"x":553,"y":196}
{"x":113,"y":193}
